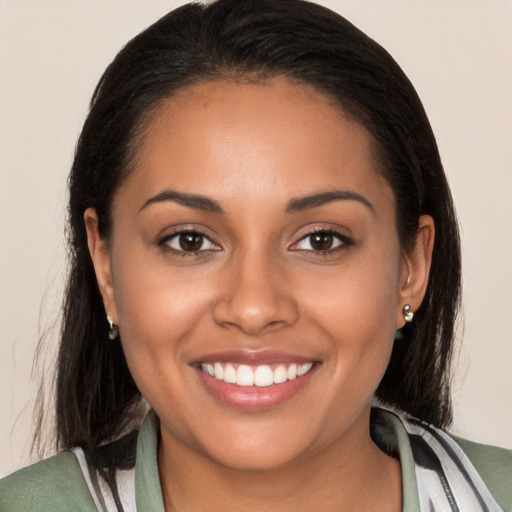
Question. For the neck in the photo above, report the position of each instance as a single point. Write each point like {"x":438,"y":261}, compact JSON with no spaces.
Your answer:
{"x":351,"y":473}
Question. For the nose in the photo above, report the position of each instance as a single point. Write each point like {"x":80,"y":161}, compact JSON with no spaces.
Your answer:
{"x":256,"y":298}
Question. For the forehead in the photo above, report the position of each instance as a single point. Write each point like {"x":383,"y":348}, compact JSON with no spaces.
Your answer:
{"x":225,"y":139}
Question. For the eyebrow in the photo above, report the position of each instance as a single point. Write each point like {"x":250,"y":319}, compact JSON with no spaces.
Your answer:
{"x":322,"y":198}
{"x":195,"y":201}
{"x":204,"y":203}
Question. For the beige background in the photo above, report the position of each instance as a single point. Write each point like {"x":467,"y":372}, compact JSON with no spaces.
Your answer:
{"x":458,"y":53}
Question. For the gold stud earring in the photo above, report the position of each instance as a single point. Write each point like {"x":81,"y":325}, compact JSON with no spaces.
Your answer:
{"x":113,"y":329}
{"x":408,"y":314}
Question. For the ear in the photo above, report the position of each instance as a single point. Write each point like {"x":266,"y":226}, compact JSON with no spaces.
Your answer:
{"x":416,"y":269}
{"x":101,"y":260}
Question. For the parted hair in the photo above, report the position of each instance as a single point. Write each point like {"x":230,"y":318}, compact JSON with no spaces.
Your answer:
{"x":252,"y":40}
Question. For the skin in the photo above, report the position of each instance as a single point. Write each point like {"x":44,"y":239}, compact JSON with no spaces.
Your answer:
{"x":259,"y":285}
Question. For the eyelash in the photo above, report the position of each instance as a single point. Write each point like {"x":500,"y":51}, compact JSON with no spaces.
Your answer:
{"x":165,"y":243}
{"x":344,"y":242}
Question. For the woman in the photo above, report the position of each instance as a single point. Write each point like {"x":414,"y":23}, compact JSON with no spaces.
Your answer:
{"x":263,"y":245}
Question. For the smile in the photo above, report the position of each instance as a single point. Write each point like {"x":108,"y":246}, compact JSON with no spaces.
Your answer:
{"x":255,"y":381}
{"x":259,"y":376}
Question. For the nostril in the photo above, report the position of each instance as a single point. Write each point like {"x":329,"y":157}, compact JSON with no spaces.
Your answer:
{"x":253,"y":318}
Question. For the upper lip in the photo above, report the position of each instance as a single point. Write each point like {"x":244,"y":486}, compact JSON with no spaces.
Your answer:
{"x":252,"y":357}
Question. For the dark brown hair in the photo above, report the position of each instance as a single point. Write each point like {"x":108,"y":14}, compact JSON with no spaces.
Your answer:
{"x":253,"y":40}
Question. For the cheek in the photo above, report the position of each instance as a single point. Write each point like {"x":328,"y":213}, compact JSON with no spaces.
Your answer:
{"x":158,"y":311}
{"x":356,"y":307}
{"x":145,"y":306}
{"x":361,"y":297}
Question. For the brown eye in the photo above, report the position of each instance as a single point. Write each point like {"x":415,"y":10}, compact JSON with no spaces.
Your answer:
{"x":191,"y":241}
{"x":321,"y":241}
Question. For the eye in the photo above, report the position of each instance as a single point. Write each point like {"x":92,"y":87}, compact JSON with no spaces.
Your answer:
{"x":322,"y":241}
{"x":189,"y":241}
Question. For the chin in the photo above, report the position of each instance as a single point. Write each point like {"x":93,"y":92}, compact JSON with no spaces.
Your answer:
{"x":257,"y":459}
{"x":256,"y":447}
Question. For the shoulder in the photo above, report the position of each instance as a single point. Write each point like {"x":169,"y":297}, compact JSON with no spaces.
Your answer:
{"x":55,"y":484}
{"x":494,"y":466}
{"x":443,"y":463}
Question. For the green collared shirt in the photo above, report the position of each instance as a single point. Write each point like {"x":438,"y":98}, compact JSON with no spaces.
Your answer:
{"x":57,"y":484}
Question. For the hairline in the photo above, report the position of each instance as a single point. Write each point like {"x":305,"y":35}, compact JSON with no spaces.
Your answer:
{"x":143,"y":124}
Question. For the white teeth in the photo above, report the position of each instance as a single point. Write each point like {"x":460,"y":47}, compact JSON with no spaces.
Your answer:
{"x":244,"y":376}
{"x":260,"y":376}
{"x":229,"y":374}
{"x":280,"y":375}
{"x":219,"y":371}
{"x":292,"y":372}
{"x":208,"y":368}
{"x":304,"y":368}
{"x":263,"y":376}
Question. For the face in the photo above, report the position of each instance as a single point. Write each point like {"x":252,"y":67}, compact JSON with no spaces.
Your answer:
{"x":255,"y":272}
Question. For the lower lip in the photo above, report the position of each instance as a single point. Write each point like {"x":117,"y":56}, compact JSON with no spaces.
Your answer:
{"x":254,"y":398}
